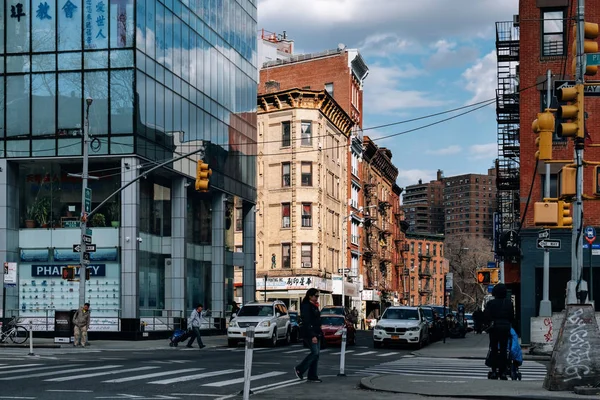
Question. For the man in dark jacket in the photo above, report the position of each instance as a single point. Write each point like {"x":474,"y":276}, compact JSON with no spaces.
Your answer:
{"x":499,"y":314}
{"x":311,"y":333}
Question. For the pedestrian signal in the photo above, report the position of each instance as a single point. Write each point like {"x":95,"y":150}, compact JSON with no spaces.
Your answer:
{"x":484,"y":277}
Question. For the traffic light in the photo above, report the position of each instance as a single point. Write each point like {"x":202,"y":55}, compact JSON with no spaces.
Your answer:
{"x":573,"y":112}
{"x":68,"y":273}
{"x":203,"y":173}
{"x":484,"y":277}
{"x":545,"y":213}
{"x":564,"y":215}
{"x":590,"y":33}
{"x":544,"y":127}
{"x":87,"y":274}
{"x":494,"y":276}
{"x":567,"y":178}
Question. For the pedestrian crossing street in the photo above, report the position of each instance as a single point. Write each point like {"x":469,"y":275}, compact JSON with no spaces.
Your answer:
{"x":448,"y":367}
{"x":299,"y":350}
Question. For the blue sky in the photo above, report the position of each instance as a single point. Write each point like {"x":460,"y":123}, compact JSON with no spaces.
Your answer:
{"x":424,"y":57}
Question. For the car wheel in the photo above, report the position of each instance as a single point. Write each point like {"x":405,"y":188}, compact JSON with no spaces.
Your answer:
{"x":377,"y":345}
{"x":288,"y":337}
{"x":273,"y":341}
{"x":232,"y":343}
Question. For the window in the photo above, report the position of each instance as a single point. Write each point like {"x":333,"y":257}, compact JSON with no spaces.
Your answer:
{"x":285,"y":215}
{"x":354,"y":232}
{"x":286,"y":258}
{"x":239,"y":219}
{"x":354,"y":167}
{"x":553,"y":33}
{"x":420,"y":248}
{"x":306,"y":171}
{"x":306,"y":133}
{"x":354,"y":195}
{"x":329,"y":88}
{"x":285,"y":174}
{"x":435,"y":249}
{"x":306,"y":215}
{"x":306,"y":255}
{"x":286,"y":138}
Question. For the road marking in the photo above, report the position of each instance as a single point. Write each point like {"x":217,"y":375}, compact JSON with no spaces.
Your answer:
{"x":279,"y":387}
{"x":240,"y":380}
{"x":41,"y":369}
{"x":386,"y":354}
{"x":197,"y":376}
{"x":58,"y":373}
{"x":295,"y":351}
{"x":20,"y":366}
{"x":339,"y":352}
{"x":366,"y":353}
{"x":154,"y":375}
{"x":275,"y":384}
{"x":15,"y":397}
{"x":113,"y":372}
{"x":69,"y":391}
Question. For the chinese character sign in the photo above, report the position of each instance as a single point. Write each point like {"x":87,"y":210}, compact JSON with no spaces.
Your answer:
{"x":95,"y":24}
{"x":16,"y":11}
{"x":43,"y":29}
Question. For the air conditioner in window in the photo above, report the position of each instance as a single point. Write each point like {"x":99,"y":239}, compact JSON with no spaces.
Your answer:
{"x":306,"y":265}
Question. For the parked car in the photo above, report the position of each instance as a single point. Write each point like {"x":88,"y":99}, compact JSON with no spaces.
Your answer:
{"x":470,"y":322}
{"x":271,"y":320}
{"x":294,"y":326}
{"x":332,"y":325}
{"x":334,"y":310}
{"x":435,"y":323}
{"x":401,"y":325}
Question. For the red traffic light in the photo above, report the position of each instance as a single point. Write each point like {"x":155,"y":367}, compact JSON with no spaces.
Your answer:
{"x":65,"y":273}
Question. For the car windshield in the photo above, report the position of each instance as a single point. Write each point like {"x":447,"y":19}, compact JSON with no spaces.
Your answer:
{"x":332,"y":310}
{"x":428,"y":313}
{"x":256,"y":311}
{"x":335,"y":321}
{"x":403,"y":313}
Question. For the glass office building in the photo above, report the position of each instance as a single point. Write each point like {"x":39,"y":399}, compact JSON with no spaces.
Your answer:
{"x":166,"y":78}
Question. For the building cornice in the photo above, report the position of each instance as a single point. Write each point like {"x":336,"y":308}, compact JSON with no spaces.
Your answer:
{"x":379,"y":158}
{"x":308,"y":100}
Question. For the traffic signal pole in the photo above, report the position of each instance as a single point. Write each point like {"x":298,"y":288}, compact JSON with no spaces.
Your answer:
{"x":545,"y":304}
{"x":575,"y":285}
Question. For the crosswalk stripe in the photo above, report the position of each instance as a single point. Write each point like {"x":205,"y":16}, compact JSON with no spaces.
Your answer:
{"x":240,"y":380}
{"x":386,"y":354}
{"x":366,"y":353}
{"x":113,"y":372}
{"x":57,"y":373}
{"x":20,"y":366}
{"x":154,"y":375}
{"x":40,"y":369}
{"x":197,"y":376}
{"x":339,"y":352}
{"x":295,"y":351}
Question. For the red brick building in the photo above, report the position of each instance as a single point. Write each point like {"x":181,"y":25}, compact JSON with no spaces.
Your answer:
{"x":543,"y":34}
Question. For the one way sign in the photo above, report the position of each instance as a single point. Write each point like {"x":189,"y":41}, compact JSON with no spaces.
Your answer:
{"x":89,"y":248}
{"x":548,"y":244}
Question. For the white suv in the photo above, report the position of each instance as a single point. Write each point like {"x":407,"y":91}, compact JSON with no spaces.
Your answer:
{"x":271,"y":322}
{"x":401,"y":325}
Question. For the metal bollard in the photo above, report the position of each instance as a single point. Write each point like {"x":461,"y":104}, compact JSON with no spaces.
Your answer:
{"x":31,"y":339}
{"x":343,"y":353}
{"x":248,"y":362}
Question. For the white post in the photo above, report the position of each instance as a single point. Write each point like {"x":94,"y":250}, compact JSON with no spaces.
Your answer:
{"x":343,"y":352}
{"x":248,"y":362}
{"x":31,"y":338}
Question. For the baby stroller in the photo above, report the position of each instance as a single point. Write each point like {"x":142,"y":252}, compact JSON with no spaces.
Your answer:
{"x":514,"y":356}
{"x":178,"y":336}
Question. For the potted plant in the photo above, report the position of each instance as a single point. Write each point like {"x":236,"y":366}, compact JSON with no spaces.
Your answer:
{"x":42,"y":209}
{"x":98,"y":220}
{"x":113,"y":213}
{"x":30,"y":216}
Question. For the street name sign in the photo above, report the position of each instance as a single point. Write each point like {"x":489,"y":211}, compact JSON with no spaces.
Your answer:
{"x":88,"y":200}
{"x":548,"y":244}
{"x":592,"y":59}
{"x":87,"y":239}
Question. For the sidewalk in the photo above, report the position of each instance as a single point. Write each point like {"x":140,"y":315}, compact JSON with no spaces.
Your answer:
{"x":115,"y":345}
{"x":472,"y":347}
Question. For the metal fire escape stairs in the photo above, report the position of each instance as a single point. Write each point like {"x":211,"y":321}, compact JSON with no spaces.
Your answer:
{"x":294,"y":181}
{"x":508,"y":121}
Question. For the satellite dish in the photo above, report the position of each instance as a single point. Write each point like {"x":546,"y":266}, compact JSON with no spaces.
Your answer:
{"x":341,"y":46}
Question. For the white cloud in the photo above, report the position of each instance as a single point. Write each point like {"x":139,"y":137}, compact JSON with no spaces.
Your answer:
{"x":487,"y":151}
{"x":454,"y":149}
{"x":481,"y":78}
{"x":448,"y":54}
{"x":407,"y":177}
{"x":384,"y":94}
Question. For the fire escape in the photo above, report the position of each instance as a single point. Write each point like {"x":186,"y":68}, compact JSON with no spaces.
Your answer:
{"x":385,"y":255}
{"x":508,"y":118}
{"x":425,"y":277}
{"x":371,"y":242}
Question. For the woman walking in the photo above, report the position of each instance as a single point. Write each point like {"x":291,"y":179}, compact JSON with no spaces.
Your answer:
{"x":499,"y":314}
{"x":312,"y":333}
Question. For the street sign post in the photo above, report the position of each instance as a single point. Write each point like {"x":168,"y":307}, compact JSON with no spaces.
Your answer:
{"x":88,"y":200}
{"x":90,"y":248}
{"x":551,"y":244}
{"x":590,"y":237}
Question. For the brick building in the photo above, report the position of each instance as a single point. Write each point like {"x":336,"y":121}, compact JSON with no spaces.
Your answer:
{"x":423,"y":206}
{"x":342,"y":73}
{"x":383,"y":240}
{"x":301,"y":195}
{"x":469,"y":204}
{"x":544,"y":42}
{"x":424,"y":270}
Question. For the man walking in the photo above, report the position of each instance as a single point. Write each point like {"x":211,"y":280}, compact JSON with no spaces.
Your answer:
{"x":194,"y":325}
{"x":81,"y":321}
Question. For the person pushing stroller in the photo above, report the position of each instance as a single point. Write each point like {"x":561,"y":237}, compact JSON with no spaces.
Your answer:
{"x":499,"y":315}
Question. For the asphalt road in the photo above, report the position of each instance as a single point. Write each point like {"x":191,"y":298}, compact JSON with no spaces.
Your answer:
{"x":180,"y":373}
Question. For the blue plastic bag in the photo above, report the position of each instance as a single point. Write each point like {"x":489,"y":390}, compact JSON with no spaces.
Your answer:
{"x":515,"y":349}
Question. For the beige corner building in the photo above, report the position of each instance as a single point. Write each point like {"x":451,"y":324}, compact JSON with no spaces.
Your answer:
{"x":303,"y":137}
